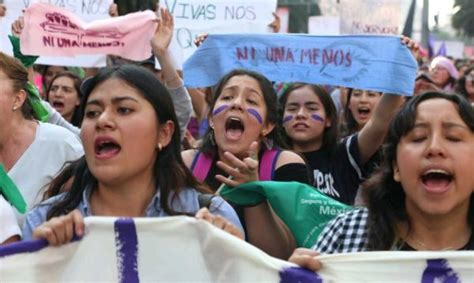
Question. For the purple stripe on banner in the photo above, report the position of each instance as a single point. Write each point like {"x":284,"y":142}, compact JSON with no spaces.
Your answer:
{"x":317,"y":118}
{"x":256,"y":115}
{"x":26,"y":246}
{"x":287,"y":118}
{"x":219,"y":109}
{"x":23,"y":247}
{"x":126,"y":242}
{"x":438,"y":270}
{"x":298,"y":274}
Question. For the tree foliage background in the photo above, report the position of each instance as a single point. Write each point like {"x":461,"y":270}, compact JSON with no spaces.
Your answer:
{"x":463,"y":19}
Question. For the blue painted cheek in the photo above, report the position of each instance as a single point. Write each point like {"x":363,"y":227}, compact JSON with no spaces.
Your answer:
{"x":219,"y":109}
{"x":257,"y":116}
{"x":287,"y":119}
{"x":317,"y":118}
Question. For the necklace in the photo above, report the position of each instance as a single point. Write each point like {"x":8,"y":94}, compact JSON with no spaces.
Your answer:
{"x":424,"y":247}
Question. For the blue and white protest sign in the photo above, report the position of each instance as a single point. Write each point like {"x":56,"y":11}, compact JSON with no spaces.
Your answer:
{"x":182,"y":249}
{"x":378,"y":63}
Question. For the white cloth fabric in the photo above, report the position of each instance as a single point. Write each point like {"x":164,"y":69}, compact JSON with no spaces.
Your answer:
{"x":182,"y":249}
{"x":8,"y":225}
{"x":52,"y":147}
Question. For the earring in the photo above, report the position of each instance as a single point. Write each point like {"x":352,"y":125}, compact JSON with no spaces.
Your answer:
{"x":268,"y":143}
{"x":14,"y":109}
{"x":159,"y":147}
{"x":212,"y":139}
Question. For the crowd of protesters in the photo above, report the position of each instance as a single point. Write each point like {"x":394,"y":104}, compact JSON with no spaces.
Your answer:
{"x":132,"y":141}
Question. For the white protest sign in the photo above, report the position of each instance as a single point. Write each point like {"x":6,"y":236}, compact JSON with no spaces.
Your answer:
{"x":284,"y":14}
{"x":454,"y":49}
{"x":192,"y":18}
{"x":371,"y":17}
{"x":88,"y":10}
{"x":324,"y":25}
{"x":182,"y":249}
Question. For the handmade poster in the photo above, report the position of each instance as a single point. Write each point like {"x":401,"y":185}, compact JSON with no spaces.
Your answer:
{"x":88,"y":10}
{"x":377,"y":63}
{"x":371,"y":17}
{"x":55,"y":31}
{"x":192,"y":18}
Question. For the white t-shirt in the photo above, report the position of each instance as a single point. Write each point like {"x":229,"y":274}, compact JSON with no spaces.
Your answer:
{"x":52,"y":147}
{"x":9,"y":226}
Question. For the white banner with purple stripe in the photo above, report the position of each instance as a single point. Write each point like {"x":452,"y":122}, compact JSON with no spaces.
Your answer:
{"x":182,"y":249}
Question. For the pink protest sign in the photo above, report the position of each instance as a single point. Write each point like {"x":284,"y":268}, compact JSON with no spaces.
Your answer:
{"x":52,"y":31}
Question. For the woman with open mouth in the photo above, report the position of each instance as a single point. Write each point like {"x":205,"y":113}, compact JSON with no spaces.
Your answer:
{"x":132,"y":165}
{"x":242,"y":145}
{"x":422,"y":198}
{"x":310,"y":120}
{"x":359,"y":108}
{"x":64,"y":95}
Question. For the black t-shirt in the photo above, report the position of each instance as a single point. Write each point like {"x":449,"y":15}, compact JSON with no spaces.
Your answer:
{"x":338,"y":172}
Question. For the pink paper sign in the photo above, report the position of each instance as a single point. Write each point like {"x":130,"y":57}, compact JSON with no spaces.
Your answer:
{"x":52,"y":31}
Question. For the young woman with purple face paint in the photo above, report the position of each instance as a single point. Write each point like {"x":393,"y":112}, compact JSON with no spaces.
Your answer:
{"x":337,"y":165}
{"x":243,"y":126}
{"x":310,"y":122}
{"x":132,"y":165}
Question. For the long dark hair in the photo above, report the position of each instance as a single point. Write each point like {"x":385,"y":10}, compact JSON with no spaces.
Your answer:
{"x":330,"y":134}
{"x":349,"y":124}
{"x":76,"y":116}
{"x":386,"y":198}
{"x":170,"y":172}
{"x":269,"y":97}
{"x":461,"y":83}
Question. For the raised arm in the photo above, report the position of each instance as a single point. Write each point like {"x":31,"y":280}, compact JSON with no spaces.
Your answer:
{"x":160,"y":43}
{"x":373,"y":133}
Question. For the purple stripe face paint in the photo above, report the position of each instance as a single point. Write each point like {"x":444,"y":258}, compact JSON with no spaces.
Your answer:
{"x":256,"y":115}
{"x":126,"y":242}
{"x":287,"y":119}
{"x":219,"y":109}
{"x":317,"y":118}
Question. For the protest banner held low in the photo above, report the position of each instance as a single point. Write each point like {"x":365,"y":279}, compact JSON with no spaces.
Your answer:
{"x":378,"y":63}
{"x":182,"y":249}
{"x":53,"y":31}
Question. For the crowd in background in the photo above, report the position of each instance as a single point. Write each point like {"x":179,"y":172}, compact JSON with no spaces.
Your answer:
{"x":131,"y":140}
